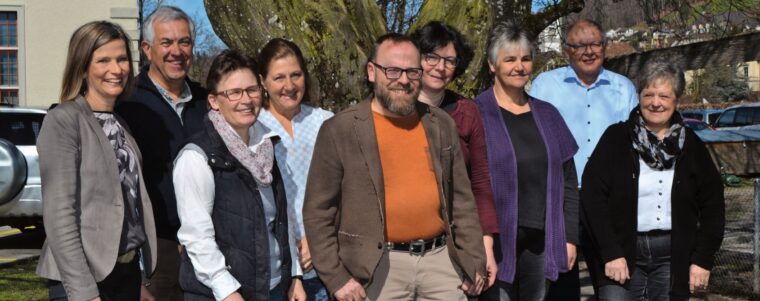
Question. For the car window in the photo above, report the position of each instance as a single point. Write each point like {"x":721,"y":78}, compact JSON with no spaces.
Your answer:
{"x":726,"y":119}
{"x":21,"y":128}
{"x":743,"y":116}
{"x":692,"y":115}
{"x":756,"y":118}
{"x":712,"y":117}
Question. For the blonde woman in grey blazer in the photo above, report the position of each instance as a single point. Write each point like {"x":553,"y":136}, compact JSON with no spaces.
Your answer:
{"x":97,"y":214}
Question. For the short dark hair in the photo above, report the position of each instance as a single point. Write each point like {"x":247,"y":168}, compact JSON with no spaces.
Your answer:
{"x":278,"y":48}
{"x":435,"y":34}
{"x":227,"y":61}
{"x":394,"y":37}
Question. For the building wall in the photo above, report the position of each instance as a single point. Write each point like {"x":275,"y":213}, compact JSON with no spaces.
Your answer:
{"x":753,"y":75}
{"x":44,"y":30}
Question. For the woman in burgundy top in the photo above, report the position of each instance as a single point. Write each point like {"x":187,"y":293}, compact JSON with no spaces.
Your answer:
{"x":445,"y":56}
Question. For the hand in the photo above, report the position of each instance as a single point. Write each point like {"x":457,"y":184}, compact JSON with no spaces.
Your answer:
{"x":303,"y":254}
{"x":473,"y":289}
{"x":351,"y":291}
{"x":95,"y":299}
{"x":572,"y":254}
{"x":698,"y":278}
{"x":145,"y":294}
{"x":617,"y":270}
{"x":234,"y":297}
{"x":491,"y":266}
{"x":296,"y":291}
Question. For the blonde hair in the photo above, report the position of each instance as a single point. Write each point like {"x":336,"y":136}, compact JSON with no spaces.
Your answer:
{"x":83,"y":43}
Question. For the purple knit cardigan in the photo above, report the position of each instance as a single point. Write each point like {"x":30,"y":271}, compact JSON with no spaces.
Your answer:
{"x":560,"y":147}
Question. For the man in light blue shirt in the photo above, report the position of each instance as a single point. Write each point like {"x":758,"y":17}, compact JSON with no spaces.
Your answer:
{"x":590,"y":99}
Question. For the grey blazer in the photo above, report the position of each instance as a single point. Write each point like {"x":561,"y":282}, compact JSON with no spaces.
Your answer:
{"x":82,"y":201}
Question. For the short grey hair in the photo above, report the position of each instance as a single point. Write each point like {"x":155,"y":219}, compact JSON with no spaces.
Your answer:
{"x":165,"y":13}
{"x":661,"y":70}
{"x":580,"y":22}
{"x":506,"y":35}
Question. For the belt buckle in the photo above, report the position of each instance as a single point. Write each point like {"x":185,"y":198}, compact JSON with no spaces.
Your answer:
{"x":417,"y":243}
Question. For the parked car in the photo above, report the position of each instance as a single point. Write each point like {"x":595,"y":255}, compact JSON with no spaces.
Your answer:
{"x":709,"y":116}
{"x":696,"y":124}
{"x":740,"y":117}
{"x":20,"y":195}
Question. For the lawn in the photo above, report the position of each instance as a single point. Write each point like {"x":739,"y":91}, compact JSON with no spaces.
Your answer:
{"x":19,"y":283}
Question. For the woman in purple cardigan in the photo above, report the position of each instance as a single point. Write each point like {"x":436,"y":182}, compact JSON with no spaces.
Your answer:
{"x":530,"y":157}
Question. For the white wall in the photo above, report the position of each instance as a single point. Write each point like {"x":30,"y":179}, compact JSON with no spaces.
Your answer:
{"x":45,"y":27}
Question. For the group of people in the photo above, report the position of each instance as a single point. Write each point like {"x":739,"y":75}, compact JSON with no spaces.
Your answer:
{"x":156,"y":188}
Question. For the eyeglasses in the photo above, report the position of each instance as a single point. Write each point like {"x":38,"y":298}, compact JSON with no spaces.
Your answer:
{"x":237,"y":93}
{"x":395,"y":73}
{"x":432,"y":59}
{"x":595,"y":47}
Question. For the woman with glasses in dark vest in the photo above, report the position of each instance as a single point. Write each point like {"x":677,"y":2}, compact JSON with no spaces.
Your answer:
{"x":230,"y":195}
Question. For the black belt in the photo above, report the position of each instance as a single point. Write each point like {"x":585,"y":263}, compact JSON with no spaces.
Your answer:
{"x":418,"y":247}
{"x":654,"y":233}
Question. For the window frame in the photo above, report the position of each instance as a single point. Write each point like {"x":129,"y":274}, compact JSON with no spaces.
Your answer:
{"x":20,"y":87}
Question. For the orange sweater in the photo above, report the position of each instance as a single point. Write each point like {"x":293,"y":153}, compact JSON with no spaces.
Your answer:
{"x":412,"y":197}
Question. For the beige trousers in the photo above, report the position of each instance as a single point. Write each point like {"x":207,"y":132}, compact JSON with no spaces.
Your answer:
{"x":403,"y":276}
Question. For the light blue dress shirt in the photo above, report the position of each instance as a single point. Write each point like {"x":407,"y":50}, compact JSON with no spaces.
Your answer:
{"x":587,"y":111}
{"x":654,"y":198}
{"x":294,"y":158}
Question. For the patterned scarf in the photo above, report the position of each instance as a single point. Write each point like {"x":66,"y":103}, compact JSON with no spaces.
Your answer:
{"x":259,"y":161}
{"x":658,"y":154}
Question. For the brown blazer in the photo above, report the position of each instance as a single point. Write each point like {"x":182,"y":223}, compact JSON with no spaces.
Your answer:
{"x":83,"y":207}
{"x":343,"y":208}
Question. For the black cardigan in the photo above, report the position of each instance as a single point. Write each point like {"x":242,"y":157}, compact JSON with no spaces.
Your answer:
{"x":609,"y":204}
{"x":160,"y":134}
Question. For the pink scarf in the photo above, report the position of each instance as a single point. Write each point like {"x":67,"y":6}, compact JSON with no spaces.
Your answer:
{"x":259,"y":163}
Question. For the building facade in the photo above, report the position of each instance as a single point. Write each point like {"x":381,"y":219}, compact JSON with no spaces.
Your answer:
{"x":34,"y":37}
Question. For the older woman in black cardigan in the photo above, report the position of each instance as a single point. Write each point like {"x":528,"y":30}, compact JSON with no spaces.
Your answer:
{"x":652,"y":200}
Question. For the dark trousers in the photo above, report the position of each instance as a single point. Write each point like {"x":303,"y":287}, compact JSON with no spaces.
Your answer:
{"x":315,"y":290}
{"x":122,"y":284}
{"x":650,"y":278}
{"x":530,"y":283}
{"x":568,"y":285}
{"x":276,"y":294}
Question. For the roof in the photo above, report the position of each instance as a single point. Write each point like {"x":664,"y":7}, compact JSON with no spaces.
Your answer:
{"x":729,"y":135}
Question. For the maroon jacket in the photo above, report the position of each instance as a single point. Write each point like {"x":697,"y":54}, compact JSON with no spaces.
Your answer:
{"x":472,"y":138}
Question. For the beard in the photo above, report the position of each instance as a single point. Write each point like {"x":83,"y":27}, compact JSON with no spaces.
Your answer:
{"x":398,"y":104}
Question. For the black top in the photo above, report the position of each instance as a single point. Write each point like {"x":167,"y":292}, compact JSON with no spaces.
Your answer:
{"x":532,"y":166}
{"x":610,"y":205}
{"x":160,"y":134}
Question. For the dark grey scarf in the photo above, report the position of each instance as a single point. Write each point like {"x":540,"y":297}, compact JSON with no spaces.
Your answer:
{"x":658,"y":154}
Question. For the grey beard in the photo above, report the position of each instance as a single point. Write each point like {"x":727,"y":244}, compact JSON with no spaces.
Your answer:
{"x":401,"y":108}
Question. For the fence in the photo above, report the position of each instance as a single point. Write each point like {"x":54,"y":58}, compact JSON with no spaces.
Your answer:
{"x":737,"y":265}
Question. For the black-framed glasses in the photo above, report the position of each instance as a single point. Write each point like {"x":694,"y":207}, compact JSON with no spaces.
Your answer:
{"x":432,"y":59}
{"x":395,"y":72}
{"x":595,"y":47}
{"x":237,"y":93}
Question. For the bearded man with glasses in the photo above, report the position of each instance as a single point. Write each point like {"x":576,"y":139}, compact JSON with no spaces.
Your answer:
{"x":589,"y":98}
{"x":389,"y":213}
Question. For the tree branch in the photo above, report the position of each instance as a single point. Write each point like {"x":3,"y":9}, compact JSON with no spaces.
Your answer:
{"x":536,"y":23}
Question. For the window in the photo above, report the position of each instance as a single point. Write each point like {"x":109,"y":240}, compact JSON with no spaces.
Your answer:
{"x":727,"y":118}
{"x":756,"y":118}
{"x":9,"y":86}
{"x":743,"y":116}
{"x":21,"y":128}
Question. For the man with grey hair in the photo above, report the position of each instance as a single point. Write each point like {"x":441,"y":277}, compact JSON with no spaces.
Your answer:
{"x":589,"y":98}
{"x":165,"y":108}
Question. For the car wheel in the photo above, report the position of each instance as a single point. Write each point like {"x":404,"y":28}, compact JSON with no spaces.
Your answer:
{"x":12,"y":171}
